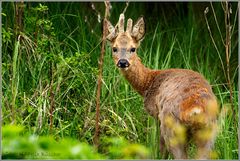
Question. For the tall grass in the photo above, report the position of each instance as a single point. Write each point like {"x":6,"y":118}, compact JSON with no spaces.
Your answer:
{"x":57,"y":69}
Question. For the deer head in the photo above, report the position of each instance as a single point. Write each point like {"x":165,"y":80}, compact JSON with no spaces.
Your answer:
{"x":125,"y":43}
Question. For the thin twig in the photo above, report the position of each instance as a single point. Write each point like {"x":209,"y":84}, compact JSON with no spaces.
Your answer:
{"x":99,"y":83}
{"x":228,"y":51}
{"x":214,"y":43}
{"x":216,"y":21}
{"x":235,"y":20}
{"x":125,"y":9}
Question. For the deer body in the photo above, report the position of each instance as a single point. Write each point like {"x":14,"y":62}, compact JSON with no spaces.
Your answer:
{"x":181,"y":99}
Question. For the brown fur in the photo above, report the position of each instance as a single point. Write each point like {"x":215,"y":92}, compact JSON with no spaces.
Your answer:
{"x":181,"y":99}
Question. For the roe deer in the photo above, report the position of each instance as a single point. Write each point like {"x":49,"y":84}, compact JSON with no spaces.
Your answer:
{"x":181,"y":99}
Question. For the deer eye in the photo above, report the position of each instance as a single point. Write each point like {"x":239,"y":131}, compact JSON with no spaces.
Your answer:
{"x":133,"y":50}
{"x":114,"y":49}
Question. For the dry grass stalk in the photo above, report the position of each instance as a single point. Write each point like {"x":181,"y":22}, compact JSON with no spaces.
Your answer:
{"x":99,"y":83}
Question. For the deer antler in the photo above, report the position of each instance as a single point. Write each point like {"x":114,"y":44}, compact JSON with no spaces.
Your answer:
{"x":129,"y":25}
{"x":121,"y":23}
{"x":137,"y":31}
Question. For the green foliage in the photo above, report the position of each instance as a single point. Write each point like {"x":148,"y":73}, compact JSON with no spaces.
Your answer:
{"x":17,"y":145}
{"x":6,"y":35}
{"x":119,"y":148}
{"x":50,"y":69}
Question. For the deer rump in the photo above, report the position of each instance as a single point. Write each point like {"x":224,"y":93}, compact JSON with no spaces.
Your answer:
{"x":182,"y":94}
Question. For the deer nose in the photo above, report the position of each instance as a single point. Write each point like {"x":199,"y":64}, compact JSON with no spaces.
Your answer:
{"x":123,"y":63}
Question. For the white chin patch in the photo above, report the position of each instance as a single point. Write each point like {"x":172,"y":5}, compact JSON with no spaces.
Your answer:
{"x":124,"y":69}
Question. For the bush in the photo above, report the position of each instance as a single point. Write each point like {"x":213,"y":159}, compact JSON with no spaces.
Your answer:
{"x":18,"y":145}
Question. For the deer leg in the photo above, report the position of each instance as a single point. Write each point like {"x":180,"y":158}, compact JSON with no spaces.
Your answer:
{"x":163,"y":148}
{"x":204,"y":139}
{"x":179,"y":151}
{"x":172,"y":138}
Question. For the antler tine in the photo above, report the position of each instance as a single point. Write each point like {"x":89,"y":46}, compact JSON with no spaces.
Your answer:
{"x":129,"y":25}
{"x":121,"y":23}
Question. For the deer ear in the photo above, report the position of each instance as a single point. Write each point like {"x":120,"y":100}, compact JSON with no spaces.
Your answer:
{"x":111,"y":31}
{"x":138,"y":31}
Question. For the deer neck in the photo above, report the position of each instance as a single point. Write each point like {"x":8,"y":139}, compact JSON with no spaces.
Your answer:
{"x":139,"y":76}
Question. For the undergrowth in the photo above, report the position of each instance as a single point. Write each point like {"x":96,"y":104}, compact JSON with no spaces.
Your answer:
{"x":50,"y":66}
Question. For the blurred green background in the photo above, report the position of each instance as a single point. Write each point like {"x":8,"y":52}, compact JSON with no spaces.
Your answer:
{"x":50,"y":53}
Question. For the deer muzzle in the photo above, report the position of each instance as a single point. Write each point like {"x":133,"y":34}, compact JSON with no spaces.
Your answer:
{"x":123,"y":63}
